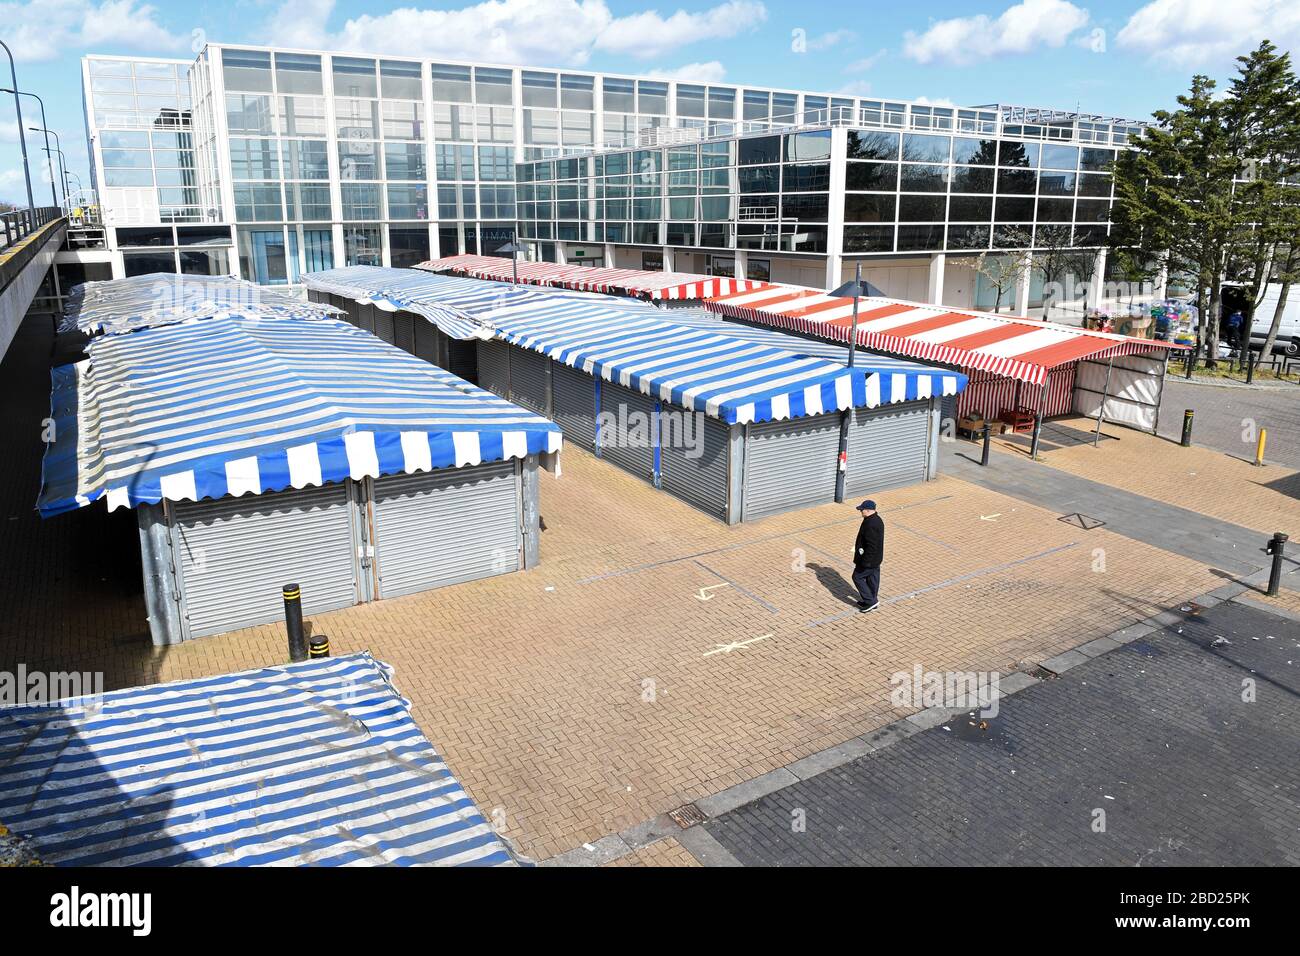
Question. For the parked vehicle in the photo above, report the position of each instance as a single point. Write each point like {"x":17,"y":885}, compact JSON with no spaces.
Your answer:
{"x":1288,"y":334}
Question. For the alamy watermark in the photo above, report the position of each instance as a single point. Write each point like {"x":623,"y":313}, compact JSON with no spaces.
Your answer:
{"x":960,"y":690}
{"x":36,"y":688}
{"x":634,"y":428}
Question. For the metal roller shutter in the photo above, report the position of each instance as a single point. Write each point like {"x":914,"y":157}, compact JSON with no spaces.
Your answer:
{"x":446,"y":526}
{"x":381,"y":323}
{"x":790,"y":464}
{"x":530,"y":384}
{"x":234,"y":554}
{"x":404,"y":331}
{"x":627,"y":411}
{"x":888,"y":447}
{"x":426,"y":340}
{"x":462,"y":357}
{"x":696,"y":471}
{"x":573,"y":404}
{"x":494,"y":367}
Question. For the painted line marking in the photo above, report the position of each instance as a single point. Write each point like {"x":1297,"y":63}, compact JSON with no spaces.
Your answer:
{"x":992,"y":517}
{"x":704,"y":595}
{"x":749,"y":594}
{"x":951,"y":581}
{"x":734,"y":646}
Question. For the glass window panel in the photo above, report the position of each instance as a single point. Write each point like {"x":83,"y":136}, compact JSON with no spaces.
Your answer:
{"x":1094,"y":184}
{"x":652,"y":97}
{"x":400,"y":80}
{"x":869,"y":238}
{"x":921,"y":208}
{"x":683,"y":157}
{"x":806,"y":177}
{"x":759,"y":179}
{"x":577,"y":92}
{"x":360,"y":201}
{"x":970,"y":208}
{"x":361,"y":246}
{"x":298,"y":73}
{"x":619,"y":95}
{"x":407,"y":246}
{"x":878,"y":176}
{"x":722,"y":103}
{"x":690,"y":101}
{"x":358,"y":159}
{"x":1055,"y":184}
{"x":968,"y":237}
{"x":403,"y":120}
{"x":356,"y":119}
{"x":144,"y":263}
{"x":972,"y":179}
{"x":408,"y":202}
{"x":246,"y":70}
{"x":354,"y":76}
{"x":1092,"y":210}
{"x":258,"y":203}
{"x":539,"y":89}
{"x":127,"y":158}
{"x":172,"y":158}
{"x":578,"y":129}
{"x":914,"y":238}
{"x":121,"y":139}
{"x":318,"y":249}
{"x":807,"y":146}
{"x":145,"y":237}
{"x":1015,"y":209}
{"x":785,"y":106}
{"x":110,"y":67}
{"x":1018,"y":155}
{"x":1060,"y":157}
{"x":759,"y":149}
{"x":1096,"y":160}
{"x":1055,"y":210}
{"x":249,"y":113}
{"x":681,"y":208}
{"x":717,"y":208}
{"x":404,"y":161}
{"x":974,"y":152}
{"x":872,"y":144}
{"x":451,"y":83}
{"x":304,"y":159}
{"x":932,"y":179}
{"x":756,"y":105}
{"x":205,"y":262}
{"x":493,"y":86}
{"x":254,"y":158}
{"x":805,"y":207}
{"x":717,"y":154}
{"x":303,"y":116}
{"x":1017,"y":181}
{"x":541,"y":127}
{"x":307,"y":201}
{"x":155,"y":70}
{"x":859,"y":207}
{"x":921,"y":148}
{"x":128,"y":177}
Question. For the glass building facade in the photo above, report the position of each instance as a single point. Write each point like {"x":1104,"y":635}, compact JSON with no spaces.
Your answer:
{"x":312,"y":160}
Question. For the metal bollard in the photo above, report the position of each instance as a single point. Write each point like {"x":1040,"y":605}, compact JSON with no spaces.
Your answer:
{"x":1276,"y":547}
{"x":320,"y":647}
{"x":1187,"y":429}
{"x":293,"y":622}
{"x":984,"y":454}
{"x":1250,"y":364}
{"x":1259,"y":447}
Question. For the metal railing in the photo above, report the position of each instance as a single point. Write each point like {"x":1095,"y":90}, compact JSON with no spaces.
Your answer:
{"x":20,"y":223}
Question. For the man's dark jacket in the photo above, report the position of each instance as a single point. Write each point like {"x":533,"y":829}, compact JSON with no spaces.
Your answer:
{"x":870,"y":548}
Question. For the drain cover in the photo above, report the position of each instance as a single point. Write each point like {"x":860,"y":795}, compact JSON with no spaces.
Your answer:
{"x":1081,"y":521}
{"x":1191,"y":607}
{"x":687,"y":816}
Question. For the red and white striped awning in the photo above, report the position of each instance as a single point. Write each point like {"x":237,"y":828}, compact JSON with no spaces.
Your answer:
{"x":633,"y":282}
{"x":1018,"y":348}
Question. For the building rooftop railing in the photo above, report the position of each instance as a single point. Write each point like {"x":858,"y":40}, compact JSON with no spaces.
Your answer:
{"x":1016,"y":122}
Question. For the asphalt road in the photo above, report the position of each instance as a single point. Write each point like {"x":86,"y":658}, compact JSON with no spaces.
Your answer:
{"x":1222,"y":414}
{"x":1178,"y":748}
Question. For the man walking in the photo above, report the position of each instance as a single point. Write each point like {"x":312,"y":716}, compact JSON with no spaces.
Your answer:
{"x":868,"y":553}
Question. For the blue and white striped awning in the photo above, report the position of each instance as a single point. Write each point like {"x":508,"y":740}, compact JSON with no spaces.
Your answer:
{"x":148,"y":301}
{"x":236,"y":405}
{"x":452,"y":303}
{"x":449,"y":303}
{"x":736,"y":379}
{"x":310,"y":764}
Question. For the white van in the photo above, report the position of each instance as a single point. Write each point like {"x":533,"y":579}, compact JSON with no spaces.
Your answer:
{"x":1288,"y":333}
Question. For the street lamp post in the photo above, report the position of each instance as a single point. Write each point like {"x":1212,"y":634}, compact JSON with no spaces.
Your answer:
{"x":855,"y":289}
{"x":49,"y":160}
{"x":513,"y":248}
{"x":22,"y":140}
{"x":58,"y":148}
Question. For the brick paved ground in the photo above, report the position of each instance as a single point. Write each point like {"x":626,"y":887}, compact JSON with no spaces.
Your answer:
{"x":1200,"y":479}
{"x":1155,"y":734}
{"x":606,"y":686}
{"x":664,"y":853}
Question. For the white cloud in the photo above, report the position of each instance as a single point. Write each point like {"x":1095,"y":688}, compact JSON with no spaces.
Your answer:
{"x":1029,"y":25}
{"x":48,"y":29}
{"x":833,"y":38}
{"x":546,"y":32}
{"x":1200,"y":31}
{"x":934,"y":101}
{"x":866,"y":62}
{"x":710,"y":72}
{"x":8,"y":128}
{"x":856,"y":88}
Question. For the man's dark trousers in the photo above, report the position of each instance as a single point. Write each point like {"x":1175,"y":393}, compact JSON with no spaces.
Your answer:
{"x":867,"y":581}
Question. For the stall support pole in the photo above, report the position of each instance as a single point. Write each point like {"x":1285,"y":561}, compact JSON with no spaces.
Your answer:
{"x":1101,"y":409}
{"x":1038,"y":423}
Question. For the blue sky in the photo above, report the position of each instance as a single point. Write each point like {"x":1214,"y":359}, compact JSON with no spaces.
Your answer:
{"x":1118,"y":57}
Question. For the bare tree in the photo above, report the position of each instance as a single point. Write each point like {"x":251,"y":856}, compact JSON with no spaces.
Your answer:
{"x":1004,"y":268}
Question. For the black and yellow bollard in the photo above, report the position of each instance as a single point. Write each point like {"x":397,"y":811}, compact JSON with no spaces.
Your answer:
{"x":1276,"y":550}
{"x":1187,"y":429}
{"x":293,"y":622}
{"x":320,"y":647}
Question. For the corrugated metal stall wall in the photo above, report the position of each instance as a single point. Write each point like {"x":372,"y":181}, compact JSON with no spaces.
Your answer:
{"x":628,"y":422}
{"x":790,"y":464}
{"x":573,"y":405}
{"x":218,"y":565}
{"x":888,"y":447}
{"x":694,"y":458}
